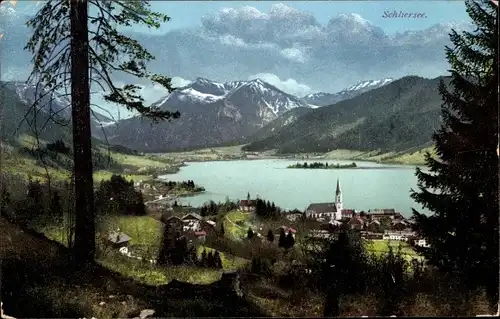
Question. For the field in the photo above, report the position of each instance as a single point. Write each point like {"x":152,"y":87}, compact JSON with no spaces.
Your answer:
{"x":379,"y":247}
{"x":236,"y":224}
{"x":146,"y":234}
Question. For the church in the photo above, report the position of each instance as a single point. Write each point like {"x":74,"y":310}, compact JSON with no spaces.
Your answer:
{"x":332,"y":211}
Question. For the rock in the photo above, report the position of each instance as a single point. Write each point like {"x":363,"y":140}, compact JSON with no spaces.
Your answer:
{"x":102,"y":303}
{"x":124,"y":303}
{"x":146,"y":313}
{"x":111,"y":296}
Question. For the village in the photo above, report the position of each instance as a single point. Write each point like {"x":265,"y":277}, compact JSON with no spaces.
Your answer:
{"x":319,"y":220}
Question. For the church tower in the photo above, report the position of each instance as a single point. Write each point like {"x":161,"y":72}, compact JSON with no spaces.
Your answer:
{"x":338,"y":200}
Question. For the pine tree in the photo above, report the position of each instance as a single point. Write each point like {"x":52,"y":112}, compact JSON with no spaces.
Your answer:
{"x":217,"y":260}
{"x":210,"y":260}
{"x":282,"y":239}
{"x":222,"y":230}
{"x":55,"y":206}
{"x":270,"y":236}
{"x":250,"y":233}
{"x":462,"y":187}
{"x":290,"y":241}
{"x":203,"y":259}
{"x":69,"y":53}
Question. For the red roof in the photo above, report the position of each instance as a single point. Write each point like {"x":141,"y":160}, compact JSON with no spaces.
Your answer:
{"x":200,"y":233}
{"x":292,"y":230}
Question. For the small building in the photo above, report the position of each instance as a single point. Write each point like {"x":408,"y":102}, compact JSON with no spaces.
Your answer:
{"x":399,"y":225}
{"x":381,"y":213}
{"x":374,"y":226}
{"x":174,"y":222}
{"x":356,"y":222}
{"x":118,"y":239}
{"x":347,"y":213}
{"x":422,"y":243}
{"x":192,"y":216}
{"x":248,"y":204}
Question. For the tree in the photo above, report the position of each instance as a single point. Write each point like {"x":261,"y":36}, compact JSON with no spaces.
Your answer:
{"x":55,"y":206}
{"x":270,"y":236}
{"x":222,"y":230}
{"x":217,"y":260}
{"x":289,"y":241}
{"x":62,"y":44}
{"x":203,"y":260}
{"x":461,"y":188}
{"x":250,"y":233}
{"x":282,"y":239}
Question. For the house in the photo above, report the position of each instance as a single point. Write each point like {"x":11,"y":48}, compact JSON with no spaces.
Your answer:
{"x":347,"y":213}
{"x":356,"y":222}
{"x":332,"y":211}
{"x":374,"y":226}
{"x":399,"y":225}
{"x":398,"y":235}
{"x":174,"y":222}
{"x":192,"y":222}
{"x":422,"y":243}
{"x":192,"y":217}
{"x":207,"y":226}
{"x":118,"y":239}
{"x":381,"y":213}
{"x":293,"y":217}
{"x":247,"y":204}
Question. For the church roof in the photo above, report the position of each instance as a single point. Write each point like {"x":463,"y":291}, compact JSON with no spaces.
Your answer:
{"x":337,"y":191}
{"x":320,"y":208}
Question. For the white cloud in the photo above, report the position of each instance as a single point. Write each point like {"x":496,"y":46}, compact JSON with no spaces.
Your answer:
{"x":289,"y":86}
{"x":178,"y":82}
{"x":294,"y":54}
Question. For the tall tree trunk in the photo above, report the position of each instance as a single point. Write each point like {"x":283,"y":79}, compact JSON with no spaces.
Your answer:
{"x":80,"y":103}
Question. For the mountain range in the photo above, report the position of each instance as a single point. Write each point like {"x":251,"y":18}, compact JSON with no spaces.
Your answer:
{"x":395,"y":117}
{"x":212,"y":113}
{"x":386,"y":114}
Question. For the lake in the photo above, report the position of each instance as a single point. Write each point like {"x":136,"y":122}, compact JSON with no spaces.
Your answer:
{"x":369,"y":186}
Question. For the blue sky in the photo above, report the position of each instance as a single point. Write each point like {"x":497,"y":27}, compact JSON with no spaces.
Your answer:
{"x":333,"y":46}
{"x":189,"y":13}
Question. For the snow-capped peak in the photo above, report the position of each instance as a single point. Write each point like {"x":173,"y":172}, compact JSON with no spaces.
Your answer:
{"x":323,"y":99}
{"x":370,"y":83}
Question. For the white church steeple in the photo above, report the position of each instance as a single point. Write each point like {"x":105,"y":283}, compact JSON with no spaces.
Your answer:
{"x":338,"y":201}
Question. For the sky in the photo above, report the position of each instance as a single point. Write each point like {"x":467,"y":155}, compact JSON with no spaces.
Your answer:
{"x":189,"y":13}
{"x":299,"y":47}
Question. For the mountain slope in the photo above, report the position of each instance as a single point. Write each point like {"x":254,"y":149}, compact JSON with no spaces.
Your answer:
{"x":324,"y":99}
{"x":52,"y":105}
{"x":397,"y":116}
{"x":211,"y":113}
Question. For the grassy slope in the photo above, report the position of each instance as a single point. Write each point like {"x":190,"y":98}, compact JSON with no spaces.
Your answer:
{"x":14,"y":161}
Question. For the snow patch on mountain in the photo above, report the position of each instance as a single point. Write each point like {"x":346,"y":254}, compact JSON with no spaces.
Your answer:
{"x":323,"y":99}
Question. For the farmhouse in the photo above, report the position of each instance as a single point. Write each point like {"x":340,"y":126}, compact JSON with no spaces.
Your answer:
{"x":333,"y":211}
{"x":118,"y":239}
{"x":247,"y":204}
{"x":356,"y":222}
{"x":175,"y":222}
{"x":192,"y":221}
